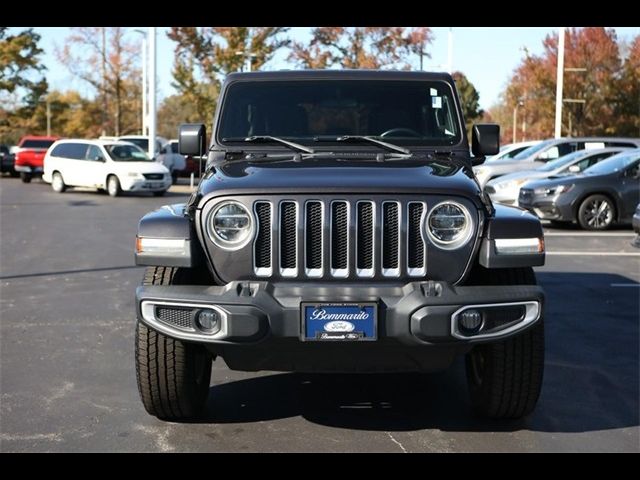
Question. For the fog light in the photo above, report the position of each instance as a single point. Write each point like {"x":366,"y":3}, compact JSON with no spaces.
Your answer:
{"x":208,"y":321}
{"x":470,"y":321}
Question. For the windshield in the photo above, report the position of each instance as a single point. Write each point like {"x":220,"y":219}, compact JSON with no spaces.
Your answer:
{"x":126,"y":153}
{"x":561,"y":162}
{"x":143,"y":143}
{"x":402,"y":112}
{"x":614,"y":164}
{"x":531,"y":150}
{"x":37,"y":143}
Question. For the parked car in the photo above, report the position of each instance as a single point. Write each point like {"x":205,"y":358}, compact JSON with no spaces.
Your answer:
{"x":114,"y":166}
{"x":7,"y":161}
{"x":602,"y":195}
{"x":170,"y":157}
{"x":143,"y":141}
{"x":505,"y":189}
{"x":546,"y":151}
{"x":511,"y":150}
{"x":340,"y":230}
{"x":30,"y":155}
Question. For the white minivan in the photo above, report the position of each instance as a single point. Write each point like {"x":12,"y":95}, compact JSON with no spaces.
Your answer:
{"x":107,"y":165}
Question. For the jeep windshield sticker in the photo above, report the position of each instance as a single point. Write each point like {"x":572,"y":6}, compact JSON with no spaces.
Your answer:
{"x":434,"y":92}
{"x":436,"y":102}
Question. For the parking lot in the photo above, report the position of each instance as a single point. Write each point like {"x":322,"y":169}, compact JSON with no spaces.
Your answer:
{"x":67,"y":378}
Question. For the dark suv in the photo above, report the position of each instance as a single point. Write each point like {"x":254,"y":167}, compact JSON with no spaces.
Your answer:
{"x":339,"y":227}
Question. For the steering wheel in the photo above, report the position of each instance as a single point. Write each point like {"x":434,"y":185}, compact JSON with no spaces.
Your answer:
{"x":397,"y":132}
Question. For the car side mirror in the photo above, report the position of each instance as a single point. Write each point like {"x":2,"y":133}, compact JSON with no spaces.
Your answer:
{"x":163,"y":150}
{"x":192,"y":139}
{"x":485,"y":140}
{"x":574,"y":169}
{"x":99,"y":158}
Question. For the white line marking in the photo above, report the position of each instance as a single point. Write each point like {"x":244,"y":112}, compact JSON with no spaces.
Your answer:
{"x":404,"y":450}
{"x":589,"y":234}
{"x":596,"y":254}
{"x":625,"y":284}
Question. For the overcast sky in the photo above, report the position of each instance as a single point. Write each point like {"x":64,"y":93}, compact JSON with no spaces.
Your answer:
{"x":487,"y":55}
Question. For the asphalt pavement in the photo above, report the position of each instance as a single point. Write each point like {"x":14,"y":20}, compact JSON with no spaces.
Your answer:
{"x":67,"y":376}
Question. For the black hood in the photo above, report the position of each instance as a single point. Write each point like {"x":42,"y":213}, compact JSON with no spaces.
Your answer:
{"x":352,"y":176}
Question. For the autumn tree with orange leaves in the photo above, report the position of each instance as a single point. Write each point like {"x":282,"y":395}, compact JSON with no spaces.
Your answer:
{"x":361,"y":47}
{"x":606,"y":90}
{"x":203,"y":55}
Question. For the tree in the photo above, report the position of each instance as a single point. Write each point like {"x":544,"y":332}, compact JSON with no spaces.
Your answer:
{"x":628,"y":92}
{"x":205,"y":54}
{"x":22,"y":85}
{"x":469,"y":98}
{"x":175,"y":110}
{"x":533,"y":83}
{"x":361,"y":47}
{"x":106,"y":60}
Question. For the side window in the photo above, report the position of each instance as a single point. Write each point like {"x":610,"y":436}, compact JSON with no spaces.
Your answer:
{"x":73,"y":151}
{"x":621,"y":144}
{"x":94,"y":154}
{"x":550,"y":153}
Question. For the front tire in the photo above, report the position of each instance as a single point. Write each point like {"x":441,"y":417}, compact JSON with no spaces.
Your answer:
{"x":57,"y":183}
{"x":596,"y":212}
{"x":173,"y":376}
{"x":26,"y":177}
{"x":505,"y":377}
{"x":159,"y":193}
{"x":113,"y":186}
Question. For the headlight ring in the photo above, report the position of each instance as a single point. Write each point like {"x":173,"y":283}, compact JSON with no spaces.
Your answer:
{"x":230,"y":225}
{"x":449,"y":225}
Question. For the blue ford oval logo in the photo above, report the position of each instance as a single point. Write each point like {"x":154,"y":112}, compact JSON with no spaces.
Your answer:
{"x":339,"y":326}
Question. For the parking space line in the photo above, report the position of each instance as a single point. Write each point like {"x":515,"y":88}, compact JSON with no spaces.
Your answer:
{"x":589,"y":234}
{"x":598,"y":254}
{"x":625,"y":285}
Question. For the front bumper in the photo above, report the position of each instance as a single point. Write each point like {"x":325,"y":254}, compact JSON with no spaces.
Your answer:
{"x":506,"y":196}
{"x":139,"y":185}
{"x":413,"y":314}
{"x":559,"y":207}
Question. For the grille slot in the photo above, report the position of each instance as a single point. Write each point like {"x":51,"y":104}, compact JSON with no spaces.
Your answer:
{"x":288,"y":239}
{"x":350,"y":238}
{"x":390,"y":238}
{"x":153,"y":176}
{"x":313,"y":234}
{"x":175,"y":316}
{"x":263,"y":240}
{"x":415,"y":244}
{"x":339,"y":239}
{"x":364,"y":239}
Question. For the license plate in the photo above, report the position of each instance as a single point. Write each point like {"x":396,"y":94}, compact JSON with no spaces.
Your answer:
{"x":335,"y":322}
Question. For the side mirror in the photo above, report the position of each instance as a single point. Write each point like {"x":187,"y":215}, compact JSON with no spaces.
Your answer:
{"x":192,"y":139}
{"x":574,"y":169}
{"x":485,"y":140}
{"x":99,"y":158}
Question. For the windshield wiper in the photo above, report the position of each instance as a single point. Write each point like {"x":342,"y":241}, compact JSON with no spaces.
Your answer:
{"x":386,"y":145}
{"x":269,"y":139}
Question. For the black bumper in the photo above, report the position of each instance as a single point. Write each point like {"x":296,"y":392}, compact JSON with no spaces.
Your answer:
{"x":416,"y":314}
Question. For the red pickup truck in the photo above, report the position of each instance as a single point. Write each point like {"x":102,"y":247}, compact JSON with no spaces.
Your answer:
{"x":30,"y":155}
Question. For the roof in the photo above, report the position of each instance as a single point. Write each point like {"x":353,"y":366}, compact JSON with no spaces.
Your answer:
{"x":340,"y":75}
{"x":94,"y":141}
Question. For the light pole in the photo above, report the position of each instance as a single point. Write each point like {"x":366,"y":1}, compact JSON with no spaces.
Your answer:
{"x":152,"y":92}
{"x":144,"y":81}
{"x":559,"y":83}
{"x":515,"y":118}
{"x":450,"y":52}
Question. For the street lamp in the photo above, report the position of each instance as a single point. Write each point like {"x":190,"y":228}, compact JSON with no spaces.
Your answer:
{"x":515,"y":118}
{"x":144,"y":80}
{"x":248,"y":56}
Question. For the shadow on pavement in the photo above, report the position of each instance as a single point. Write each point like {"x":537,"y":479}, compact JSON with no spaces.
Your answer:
{"x":591,"y":377}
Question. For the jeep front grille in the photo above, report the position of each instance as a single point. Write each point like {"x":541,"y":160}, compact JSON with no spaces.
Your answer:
{"x":353,"y":238}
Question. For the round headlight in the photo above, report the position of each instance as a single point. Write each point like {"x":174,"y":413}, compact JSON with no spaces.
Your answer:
{"x":449,"y":225}
{"x":230,"y":225}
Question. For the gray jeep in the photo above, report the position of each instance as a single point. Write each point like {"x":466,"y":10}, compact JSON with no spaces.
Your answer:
{"x":338,"y":227}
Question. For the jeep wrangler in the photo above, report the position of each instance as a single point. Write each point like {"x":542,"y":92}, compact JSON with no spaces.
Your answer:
{"x":338,"y":227}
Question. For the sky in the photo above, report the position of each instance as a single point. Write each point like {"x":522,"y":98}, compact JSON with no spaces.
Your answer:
{"x":486,"y":55}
